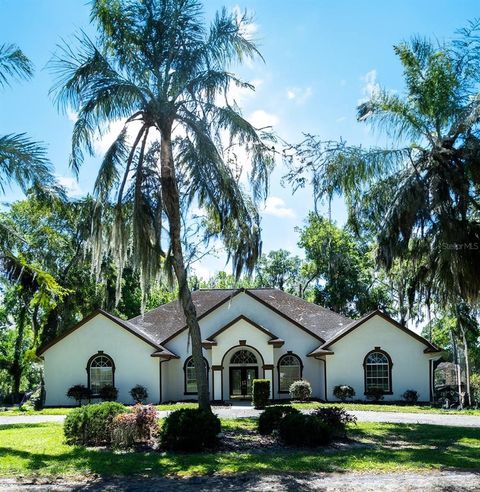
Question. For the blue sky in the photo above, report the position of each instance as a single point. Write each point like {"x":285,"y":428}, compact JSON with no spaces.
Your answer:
{"x":321,"y":58}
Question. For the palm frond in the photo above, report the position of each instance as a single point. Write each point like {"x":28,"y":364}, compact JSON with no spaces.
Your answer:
{"x":13,"y":65}
{"x":24,"y":162}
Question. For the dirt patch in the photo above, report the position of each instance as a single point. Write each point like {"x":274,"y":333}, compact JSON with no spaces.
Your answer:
{"x":335,"y":482}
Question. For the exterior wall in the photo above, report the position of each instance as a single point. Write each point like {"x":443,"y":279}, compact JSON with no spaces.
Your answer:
{"x":410,"y":368}
{"x":229,"y":343}
{"x":296,"y":340}
{"x":65,"y":362}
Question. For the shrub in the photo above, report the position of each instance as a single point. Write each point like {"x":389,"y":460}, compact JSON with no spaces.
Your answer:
{"x":270,"y":419}
{"x":147,"y":422}
{"x":139,"y":393}
{"x":91,"y":424}
{"x":410,"y":396}
{"x":297,"y":429}
{"x":343,"y":392}
{"x":140,"y":425}
{"x":375,"y":394}
{"x":79,"y":392}
{"x":335,"y":418}
{"x":301,"y":390}
{"x":261,"y":393}
{"x":190,"y":429}
{"x":475,"y":388}
{"x":124,"y":430}
{"x":108,"y":393}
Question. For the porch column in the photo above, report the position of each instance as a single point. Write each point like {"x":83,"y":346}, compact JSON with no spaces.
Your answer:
{"x":268,"y":374}
{"x":217,"y":383}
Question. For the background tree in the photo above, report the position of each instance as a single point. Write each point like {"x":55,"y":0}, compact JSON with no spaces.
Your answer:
{"x":421,"y":190}
{"x":279,"y":269}
{"x":429,"y":172}
{"x":341,"y":267}
{"x":156,"y":66}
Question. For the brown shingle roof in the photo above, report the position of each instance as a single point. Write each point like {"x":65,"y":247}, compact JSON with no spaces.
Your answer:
{"x":163,"y":323}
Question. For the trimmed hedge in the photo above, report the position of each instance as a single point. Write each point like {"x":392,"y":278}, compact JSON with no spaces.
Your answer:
{"x":261,"y":393}
{"x":410,"y":396}
{"x":270,"y":419}
{"x":304,"y":430}
{"x":91,"y":424}
{"x":301,"y":390}
{"x":139,"y":393}
{"x":336,"y":419}
{"x":343,"y":392}
{"x":108,"y":393}
{"x":190,"y":429}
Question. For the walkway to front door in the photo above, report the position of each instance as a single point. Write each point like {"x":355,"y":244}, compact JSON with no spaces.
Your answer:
{"x":241,"y":379}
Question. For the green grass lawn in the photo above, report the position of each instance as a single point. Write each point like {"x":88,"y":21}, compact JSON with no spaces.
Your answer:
{"x":38,"y":449}
{"x":385,"y":407}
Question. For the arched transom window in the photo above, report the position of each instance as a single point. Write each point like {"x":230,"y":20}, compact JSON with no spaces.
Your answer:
{"x":289,"y":371}
{"x":191,"y":377}
{"x":243,"y":357}
{"x":378,"y":367}
{"x":100,"y":371}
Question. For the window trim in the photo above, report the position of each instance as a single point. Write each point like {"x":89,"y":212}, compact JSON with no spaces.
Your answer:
{"x":288,"y":354}
{"x":242,"y":364}
{"x":187,"y":360}
{"x":100,"y":353}
{"x":390,"y":365}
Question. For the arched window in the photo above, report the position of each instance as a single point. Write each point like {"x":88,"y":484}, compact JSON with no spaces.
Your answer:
{"x":378,"y":371}
{"x":191,"y":377}
{"x":100,"y":370}
{"x":243,"y":357}
{"x":289,"y":370}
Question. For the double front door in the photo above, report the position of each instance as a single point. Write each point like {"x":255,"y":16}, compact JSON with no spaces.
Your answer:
{"x":241,"y":379}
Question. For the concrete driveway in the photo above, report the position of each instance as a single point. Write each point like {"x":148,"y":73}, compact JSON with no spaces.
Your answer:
{"x":247,"y":411}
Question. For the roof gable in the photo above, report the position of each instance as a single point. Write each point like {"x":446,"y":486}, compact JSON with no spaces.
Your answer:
{"x":167,"y":321}
{"x":160,"y":351}
{"x":324,"y":349}
{"x":274,"y":340}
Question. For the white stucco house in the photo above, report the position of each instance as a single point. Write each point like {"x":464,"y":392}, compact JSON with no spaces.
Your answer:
{"x":247,"y":334}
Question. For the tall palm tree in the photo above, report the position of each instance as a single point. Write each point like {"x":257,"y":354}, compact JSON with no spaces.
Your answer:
{"x":22,"y":161}
{"x":156,"y":67}
{"x":421,"y":192}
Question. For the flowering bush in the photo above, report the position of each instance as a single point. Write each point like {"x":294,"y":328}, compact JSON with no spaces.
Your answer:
{"x":138,"y":426}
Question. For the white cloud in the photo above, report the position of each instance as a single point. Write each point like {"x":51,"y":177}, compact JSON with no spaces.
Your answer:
{"x":300,"y":96}
{"x":72,"y":115}
{"x":240,"y":94}
{"x":276,"y":206}
{"x":103,"y":143}
{"x":261,"y":119}
{"x":71,"y":185}
{"x":201,"y":271}
{"x":248,"y":27}
{"x":370,"y":86}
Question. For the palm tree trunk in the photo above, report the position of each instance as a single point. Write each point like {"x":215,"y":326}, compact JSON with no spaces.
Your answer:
{"x":171,"y":200}
{"x":16,"y":368}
